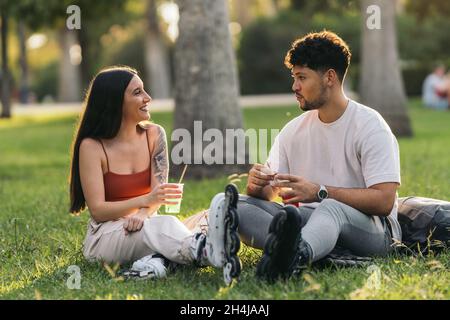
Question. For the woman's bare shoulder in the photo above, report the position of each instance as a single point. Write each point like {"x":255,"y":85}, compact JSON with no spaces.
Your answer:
{"x":155,"y":133}
{"x":153,"y":129}
{"x":156,"y":136}
{"x":90,"y":146}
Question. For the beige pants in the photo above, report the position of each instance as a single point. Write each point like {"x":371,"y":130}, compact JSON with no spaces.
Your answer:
{"x":162,"y":234}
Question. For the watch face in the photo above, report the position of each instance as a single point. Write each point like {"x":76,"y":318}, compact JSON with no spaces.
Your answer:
{"x":323,"y":194}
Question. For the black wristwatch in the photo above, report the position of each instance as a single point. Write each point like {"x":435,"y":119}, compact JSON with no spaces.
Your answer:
{"x":322,"y":193}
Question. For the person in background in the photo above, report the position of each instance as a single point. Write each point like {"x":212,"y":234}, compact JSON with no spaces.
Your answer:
{"x":436,"y":89}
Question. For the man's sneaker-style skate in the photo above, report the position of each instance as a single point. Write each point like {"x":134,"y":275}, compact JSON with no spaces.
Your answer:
{"x":285,"y":253}
{"x":149,"y":267}
{"x":222,"y":240}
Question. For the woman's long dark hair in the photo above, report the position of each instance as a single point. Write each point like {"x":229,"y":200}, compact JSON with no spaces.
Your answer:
{"x":101,"y":119}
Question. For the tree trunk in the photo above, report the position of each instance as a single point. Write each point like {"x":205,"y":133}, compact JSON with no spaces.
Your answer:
{"x":156,"y":56}
{"x":85,"y":66}
{"x":206,"y":86}
{"x":24,"y":84}
{"x":5,"y":77}
{"x":381,"y":82}
{"x":69,"y":67}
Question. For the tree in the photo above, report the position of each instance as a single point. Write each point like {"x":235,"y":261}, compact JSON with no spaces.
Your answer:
{"x":156,"y":56}
{"x":94,"y":15}
{"x":18,"y":10}
{"x":310,"y":7}
{"x":423,"y":9}
{"x":381,"y":83}
{"x":24,"y":85}
{"x":5,"y":76}
{"x":97,"y":17}
{"x":245,"y":12}
{"x":50,"y":13}
{"x":69,"y":88}
{"x":206,"y":84}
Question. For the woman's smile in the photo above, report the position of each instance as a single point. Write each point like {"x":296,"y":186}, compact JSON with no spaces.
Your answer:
{"x":145,"y":108}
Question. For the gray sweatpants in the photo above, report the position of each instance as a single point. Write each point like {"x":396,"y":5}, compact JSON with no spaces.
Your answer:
{"x":330,"y":225}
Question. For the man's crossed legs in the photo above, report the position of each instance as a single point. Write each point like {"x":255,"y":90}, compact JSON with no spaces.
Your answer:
{"x":294,"y":237}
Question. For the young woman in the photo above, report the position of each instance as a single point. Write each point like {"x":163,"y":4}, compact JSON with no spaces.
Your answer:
{"x":119,"y":172}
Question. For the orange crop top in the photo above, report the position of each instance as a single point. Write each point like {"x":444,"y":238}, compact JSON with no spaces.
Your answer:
{"x":119,"y":187}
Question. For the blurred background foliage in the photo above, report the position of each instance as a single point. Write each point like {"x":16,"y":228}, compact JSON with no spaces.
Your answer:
{"x":262,"y":46}
{"x":113,"y":32}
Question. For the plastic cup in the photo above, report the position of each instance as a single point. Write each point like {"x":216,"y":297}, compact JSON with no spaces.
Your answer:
{"x":175,"y":208}
{"x":295,"y":204}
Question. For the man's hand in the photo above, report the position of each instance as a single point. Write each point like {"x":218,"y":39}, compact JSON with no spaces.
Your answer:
{"x":301,"y":190}
{"x":259,"y":176}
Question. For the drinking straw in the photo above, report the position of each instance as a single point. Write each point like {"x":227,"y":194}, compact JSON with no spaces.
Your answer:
{"x":182,"y":175}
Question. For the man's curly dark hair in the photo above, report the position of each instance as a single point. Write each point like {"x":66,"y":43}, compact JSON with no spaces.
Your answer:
{"x":320,"y":51}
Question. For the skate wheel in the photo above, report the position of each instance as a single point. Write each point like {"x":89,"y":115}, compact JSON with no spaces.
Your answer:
{"x":232,"y":192}
{"x":263,"y":267}
{"x":232,"y":219}
{"x":235,"y":266}
{"x":271,"y":244}
{"x":235,"y":243}
{"x":278,"y":221}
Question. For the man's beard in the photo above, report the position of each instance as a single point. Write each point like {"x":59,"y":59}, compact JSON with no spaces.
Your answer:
{"x":315,"y":104}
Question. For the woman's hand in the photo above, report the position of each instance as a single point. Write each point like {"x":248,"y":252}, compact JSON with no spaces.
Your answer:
{"x":162,"y":194}
{"x":135,"y":221}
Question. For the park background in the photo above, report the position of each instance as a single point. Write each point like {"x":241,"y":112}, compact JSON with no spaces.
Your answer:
{"x":46,"y":69}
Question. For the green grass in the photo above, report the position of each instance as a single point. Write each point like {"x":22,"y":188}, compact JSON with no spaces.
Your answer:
{"x":39,"y":239}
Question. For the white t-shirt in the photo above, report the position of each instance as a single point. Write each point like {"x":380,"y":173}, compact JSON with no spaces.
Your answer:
{"x":357,"y":150}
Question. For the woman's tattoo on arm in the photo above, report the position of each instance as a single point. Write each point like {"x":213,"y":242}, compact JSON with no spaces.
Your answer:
{"x":160,"y":158}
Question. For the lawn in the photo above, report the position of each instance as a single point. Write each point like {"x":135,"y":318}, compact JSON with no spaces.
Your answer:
{"x":39,"y":239}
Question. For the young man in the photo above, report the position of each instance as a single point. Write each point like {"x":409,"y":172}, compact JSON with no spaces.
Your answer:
{"x":339,"y":159}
